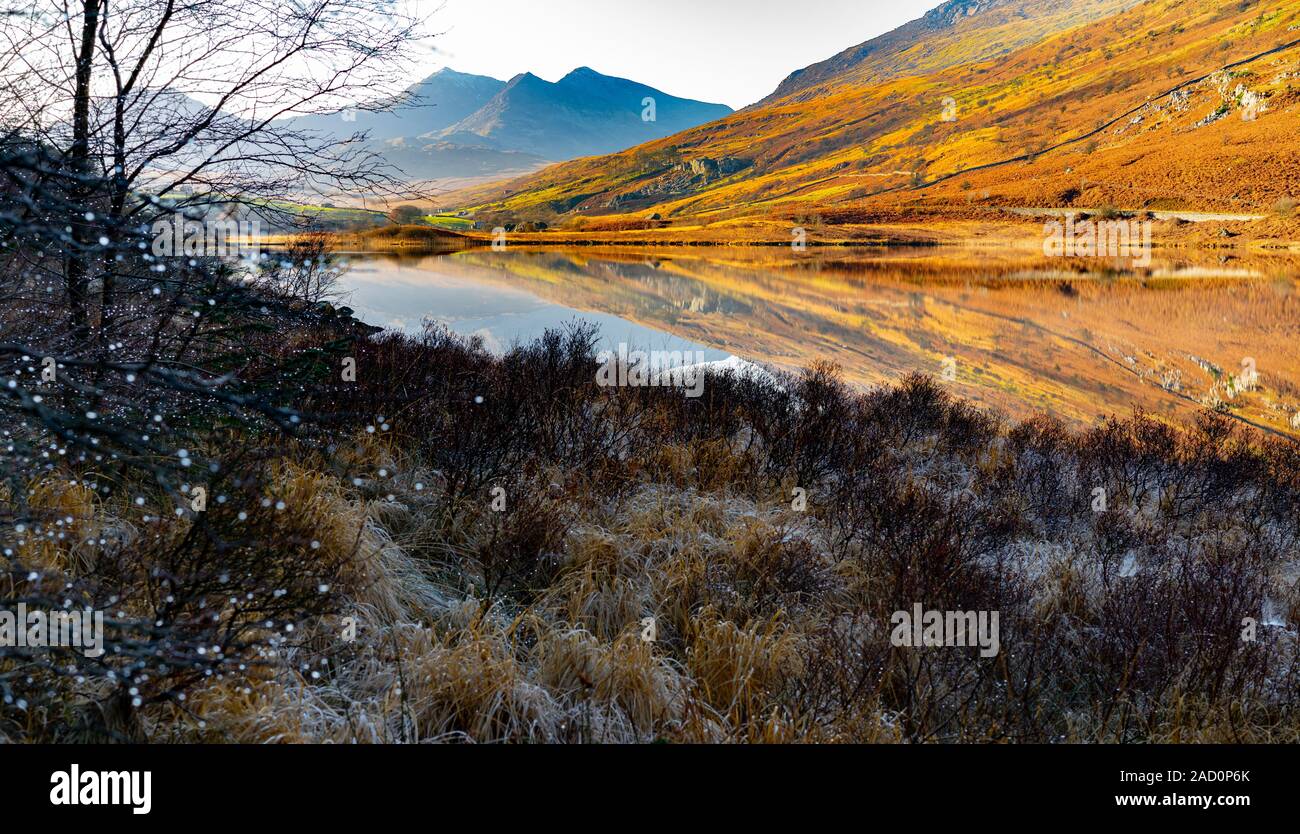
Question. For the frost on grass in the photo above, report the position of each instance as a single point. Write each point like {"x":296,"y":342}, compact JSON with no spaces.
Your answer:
{"x":454,"y":618}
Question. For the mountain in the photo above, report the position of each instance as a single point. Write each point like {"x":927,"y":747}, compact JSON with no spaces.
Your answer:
{"x":404,"y":131}
{"x":583,"y":113}
{"x":1184,"y":104}
{"x":429,"y":106}
{"x":454,"y":125}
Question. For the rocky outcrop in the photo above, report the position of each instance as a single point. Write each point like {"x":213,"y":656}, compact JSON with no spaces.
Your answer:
{"x":712,"y":169}
{"x":682,"y":178}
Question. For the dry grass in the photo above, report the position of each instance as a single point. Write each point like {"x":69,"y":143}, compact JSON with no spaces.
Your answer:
{"x":526,"y":623}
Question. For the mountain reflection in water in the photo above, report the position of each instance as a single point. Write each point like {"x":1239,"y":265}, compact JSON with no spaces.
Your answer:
{"x":1025,"y":333}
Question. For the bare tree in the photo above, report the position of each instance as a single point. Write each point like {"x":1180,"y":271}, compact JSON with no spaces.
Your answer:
{"x":159,"y":105}
{"x":119,"y":365}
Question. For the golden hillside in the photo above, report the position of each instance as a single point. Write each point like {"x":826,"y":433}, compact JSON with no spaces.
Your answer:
{"x":1167,"y":104}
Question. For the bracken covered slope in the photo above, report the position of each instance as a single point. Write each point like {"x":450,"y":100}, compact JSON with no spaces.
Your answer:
{"x":1176,"y":104}
{"x":957,"y":32}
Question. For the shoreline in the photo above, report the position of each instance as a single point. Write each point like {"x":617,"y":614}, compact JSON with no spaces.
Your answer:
{"x":1011,"y":229}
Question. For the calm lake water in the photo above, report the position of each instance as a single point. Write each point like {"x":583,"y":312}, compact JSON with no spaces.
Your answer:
{"x":1016,"y":332}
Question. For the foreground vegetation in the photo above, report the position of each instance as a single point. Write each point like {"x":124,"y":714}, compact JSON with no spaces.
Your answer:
{"x":467,"y":548}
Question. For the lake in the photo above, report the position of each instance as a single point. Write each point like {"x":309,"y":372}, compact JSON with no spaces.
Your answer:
{"x":1015,"y":331}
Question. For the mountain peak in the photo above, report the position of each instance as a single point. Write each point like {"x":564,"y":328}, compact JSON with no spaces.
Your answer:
{"x":582,"y":114}
{"x":527,"y":82}
{"x":582,"y":72}
{"x":448,"y":74}
{"x":431,"y":104}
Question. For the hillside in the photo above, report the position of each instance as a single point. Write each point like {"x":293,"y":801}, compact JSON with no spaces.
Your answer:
{"x":957,"y":32}
{"x":1174,"y":104}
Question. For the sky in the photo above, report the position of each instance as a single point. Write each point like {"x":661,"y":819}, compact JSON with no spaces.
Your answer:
{"x":732,"y":52}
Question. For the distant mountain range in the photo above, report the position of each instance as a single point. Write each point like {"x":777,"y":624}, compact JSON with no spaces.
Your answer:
{"x":430,"y":106}
{"x":454,"y":125}
{"x":582,"y":114}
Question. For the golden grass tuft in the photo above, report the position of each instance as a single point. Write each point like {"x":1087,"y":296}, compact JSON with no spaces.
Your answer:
{"x":625,"y":673}
{"x":740,"y":670}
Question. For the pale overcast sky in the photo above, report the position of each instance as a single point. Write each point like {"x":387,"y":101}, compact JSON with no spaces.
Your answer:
{"x":729,"y":51}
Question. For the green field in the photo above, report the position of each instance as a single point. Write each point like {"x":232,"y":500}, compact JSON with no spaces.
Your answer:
{"x":450,"y":221}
